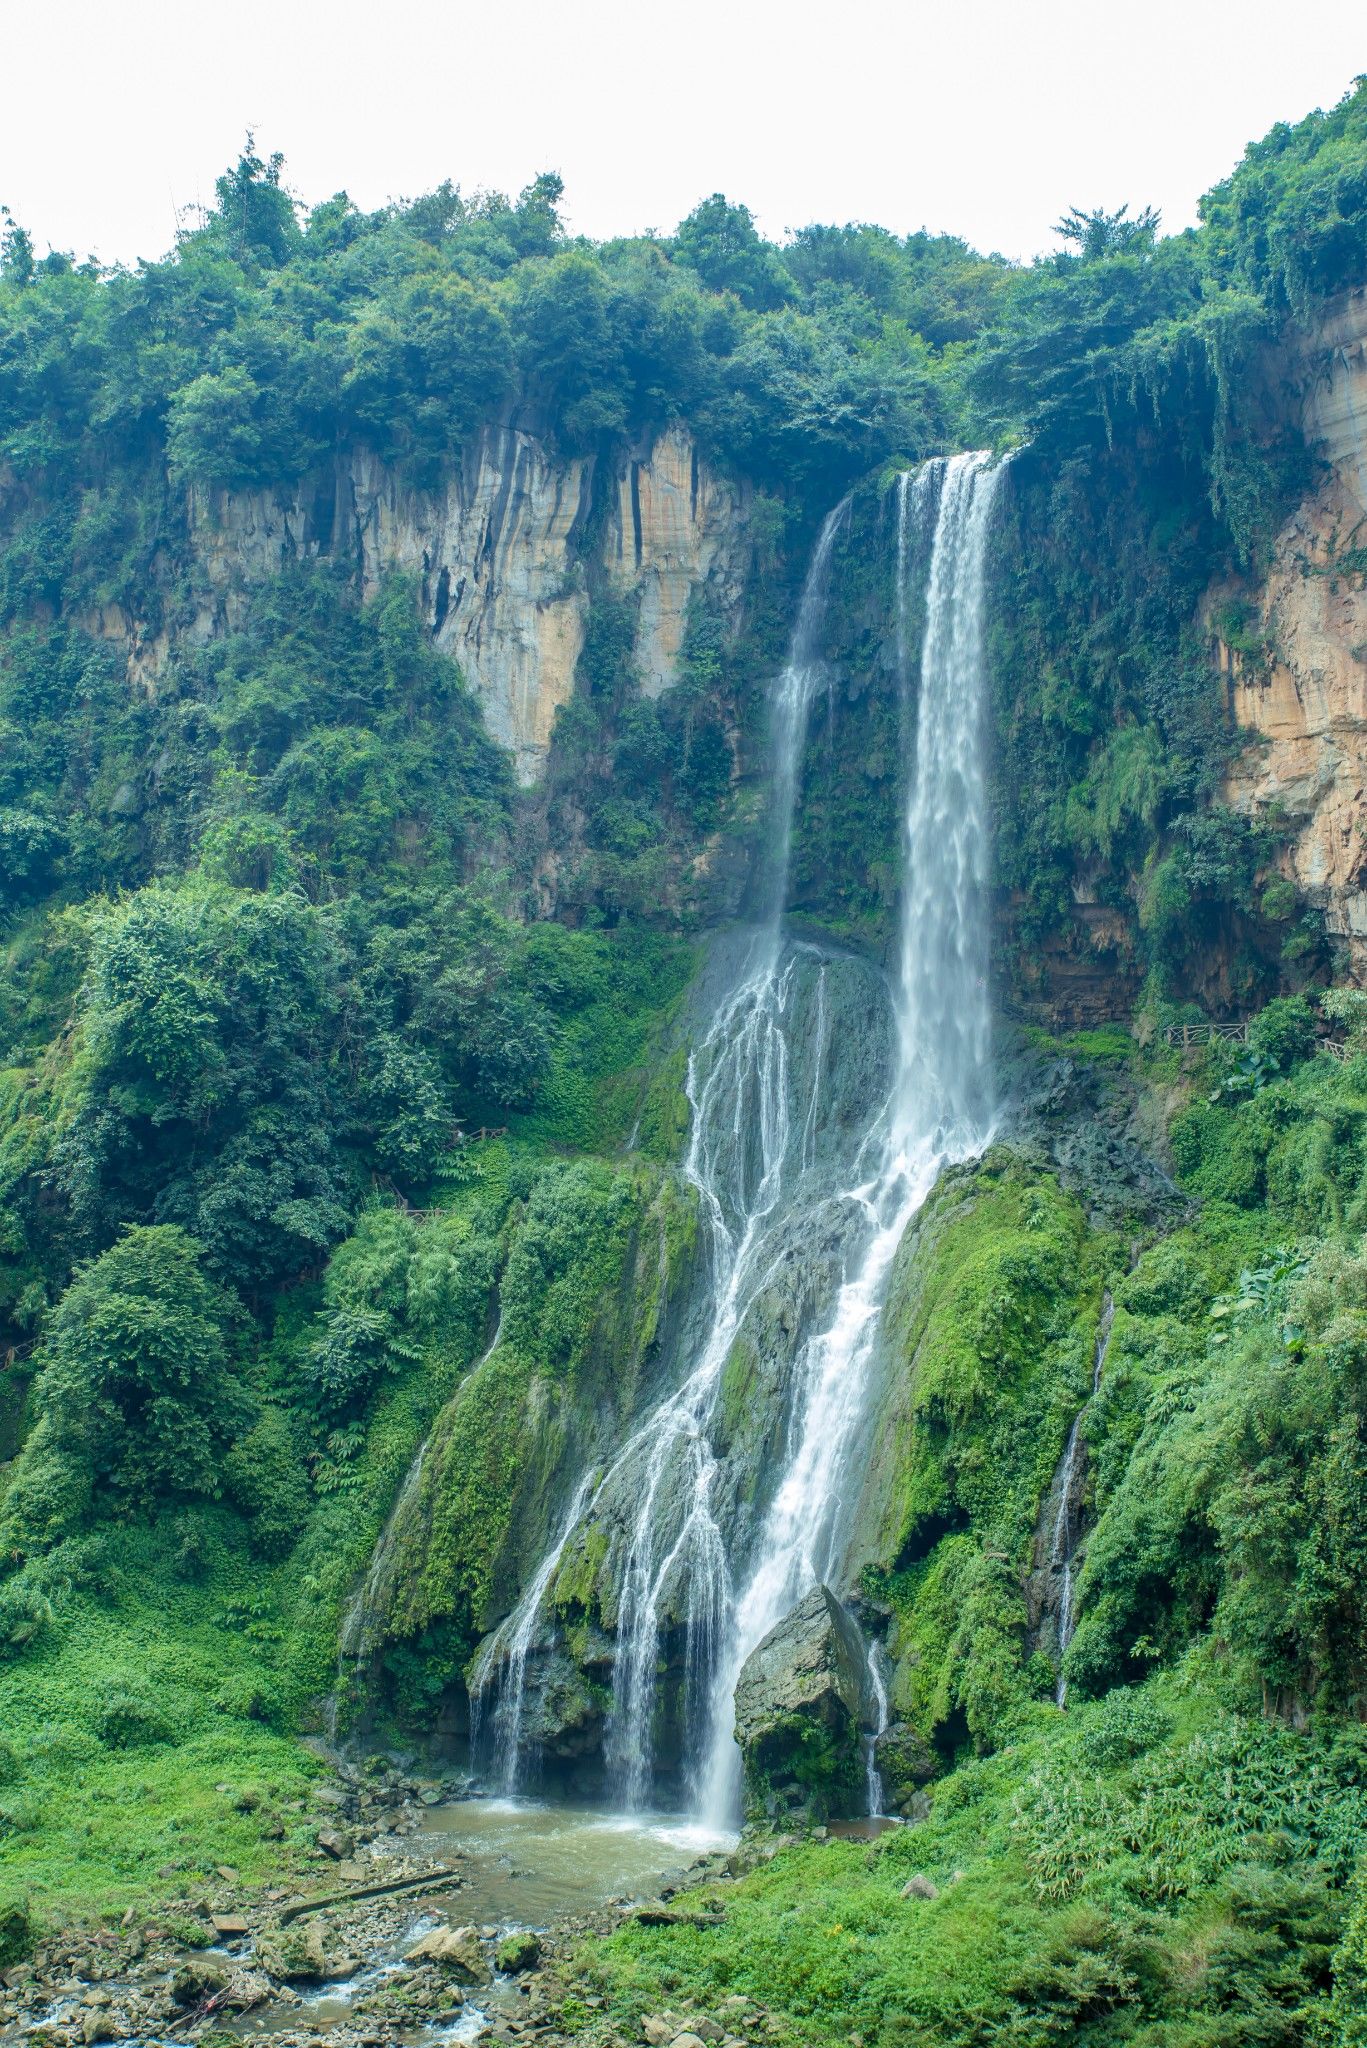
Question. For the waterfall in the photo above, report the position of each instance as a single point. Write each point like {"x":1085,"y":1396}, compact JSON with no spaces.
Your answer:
{"x":753,"y":1163}
{"x":940,"y":1106}
{"x":740,"y":1165}
{"x":1067,"y":1535}
{"x":505,"y":1653}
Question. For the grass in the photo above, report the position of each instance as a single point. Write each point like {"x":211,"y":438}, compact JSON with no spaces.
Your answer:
{"x":1130,"y":1947}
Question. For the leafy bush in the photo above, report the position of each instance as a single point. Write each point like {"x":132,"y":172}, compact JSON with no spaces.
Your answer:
{"x":132,"y":1721}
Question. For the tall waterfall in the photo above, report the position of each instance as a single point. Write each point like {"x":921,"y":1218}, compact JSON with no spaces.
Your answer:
{"x":741,"y":1163}
{"x":753,"y":1161}
{"x":940,"y":1106}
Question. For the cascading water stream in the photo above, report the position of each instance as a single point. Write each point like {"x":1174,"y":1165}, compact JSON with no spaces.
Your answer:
{"x":751,"y":1161}
{"x":739,"y":1162}
{"x":940,"y":1106}
{"x":1067,"y":1536}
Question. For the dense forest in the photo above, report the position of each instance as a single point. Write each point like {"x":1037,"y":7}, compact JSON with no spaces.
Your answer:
{"x":342,"y":1073}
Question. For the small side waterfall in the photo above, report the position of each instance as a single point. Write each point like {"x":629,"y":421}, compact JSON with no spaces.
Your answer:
{"x":506,"y":1653}
{"x":1067,"y":1531}
{"x":940,"y":1108}
{"x":741,"y":1165}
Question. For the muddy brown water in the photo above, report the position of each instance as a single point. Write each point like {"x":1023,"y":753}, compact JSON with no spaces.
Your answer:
{"x":523,"y":1863}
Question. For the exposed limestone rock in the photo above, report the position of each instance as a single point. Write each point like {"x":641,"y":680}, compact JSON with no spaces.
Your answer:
{"x":677,"y":526}
{"x":1306,"y":695}
{"x":500,"y":557}
{"x":798,"y":1702}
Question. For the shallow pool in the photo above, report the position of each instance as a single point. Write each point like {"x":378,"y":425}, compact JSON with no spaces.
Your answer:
{"x":528,"y":1862}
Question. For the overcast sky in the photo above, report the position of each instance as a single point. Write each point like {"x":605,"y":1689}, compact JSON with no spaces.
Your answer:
{"x":986,"y":118}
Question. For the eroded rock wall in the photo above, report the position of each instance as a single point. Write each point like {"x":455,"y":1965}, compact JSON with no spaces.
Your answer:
{"x":505,"y":554}
{"x":1303,"y":690}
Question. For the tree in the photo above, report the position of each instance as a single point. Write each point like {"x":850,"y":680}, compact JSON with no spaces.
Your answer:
{"x":1108,"y":234}
{"x":137,"y":1393}
{"x":256,"y":215}
{"x":721,"y":242}
{"x":16,"y":249}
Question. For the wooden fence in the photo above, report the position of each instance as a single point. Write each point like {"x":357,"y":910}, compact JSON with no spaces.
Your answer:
{"x":1201,"y":1034}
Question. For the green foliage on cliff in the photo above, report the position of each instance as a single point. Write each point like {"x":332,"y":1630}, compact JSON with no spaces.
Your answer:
{"x":275,"y":947}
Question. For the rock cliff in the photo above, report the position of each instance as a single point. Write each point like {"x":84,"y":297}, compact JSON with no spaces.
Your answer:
{"x":505,"y":552}
{"x":1298,"y":675}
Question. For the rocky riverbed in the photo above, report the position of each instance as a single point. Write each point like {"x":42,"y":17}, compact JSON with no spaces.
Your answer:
{"x":402,"y":1933}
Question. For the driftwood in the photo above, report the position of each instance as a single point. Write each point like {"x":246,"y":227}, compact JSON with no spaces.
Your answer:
{"x":431,"y":1879}
{"x":200,"y":2012}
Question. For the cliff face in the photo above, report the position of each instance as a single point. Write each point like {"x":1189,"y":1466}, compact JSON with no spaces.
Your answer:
{"x":505,"y":555}
{"x":1305,"y":694}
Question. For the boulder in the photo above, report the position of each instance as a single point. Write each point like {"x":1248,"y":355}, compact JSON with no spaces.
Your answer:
{"x":905,"y":1761}
{"x":798,"y":1705}
{"x":295,"y":1953}
{"x":518,"y":1951}
{"x":456,"y":1950}
{"x":197,"y":1978}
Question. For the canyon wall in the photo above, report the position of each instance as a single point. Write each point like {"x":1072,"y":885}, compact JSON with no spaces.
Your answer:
{"x":1298,"y":678}
{"x":505,"y":554}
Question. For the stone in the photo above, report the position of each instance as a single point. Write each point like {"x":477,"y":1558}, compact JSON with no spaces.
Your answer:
{"x":229,"y":1926}
{"x":920,"y":1887}
{"x":295,"y":1953}
{"x":686,"y":2041}
{"x":335,"y":1842}
{"x":798,"y":1701}
{"x":657,"y":2031}
{"x":1298,"y":679}
{"x":456,"y":1950}
{"x":196,"y":1978}
{"x":905,"y":1760}
{"x":226,"y":1872}
{"x":247,"y":1988}
{"x":518,"y":1951}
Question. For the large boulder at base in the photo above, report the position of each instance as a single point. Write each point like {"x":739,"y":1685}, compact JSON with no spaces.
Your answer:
{"x":798,"y":1710}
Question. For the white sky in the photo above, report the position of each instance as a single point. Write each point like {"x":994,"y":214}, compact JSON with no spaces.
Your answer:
{"x":985,"y":118}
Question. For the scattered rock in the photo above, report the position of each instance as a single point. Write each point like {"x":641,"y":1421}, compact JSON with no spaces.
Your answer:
{"x":228,"y":1926}
{"x":335,"y":1842}
{"x":920,"y":1887}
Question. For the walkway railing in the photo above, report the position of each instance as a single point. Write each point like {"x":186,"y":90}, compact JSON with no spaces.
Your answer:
{"x":1201,"y":1034}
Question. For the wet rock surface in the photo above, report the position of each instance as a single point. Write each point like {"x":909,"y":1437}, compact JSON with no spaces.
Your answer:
{"x":798,"y":1709}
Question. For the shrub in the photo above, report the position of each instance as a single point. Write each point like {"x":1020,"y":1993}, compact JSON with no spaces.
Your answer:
{"x":133,"y":1721}
{"x":16,"y":1930}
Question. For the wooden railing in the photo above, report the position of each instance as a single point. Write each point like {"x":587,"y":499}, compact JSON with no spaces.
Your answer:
{"x":1201,"y":1034}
